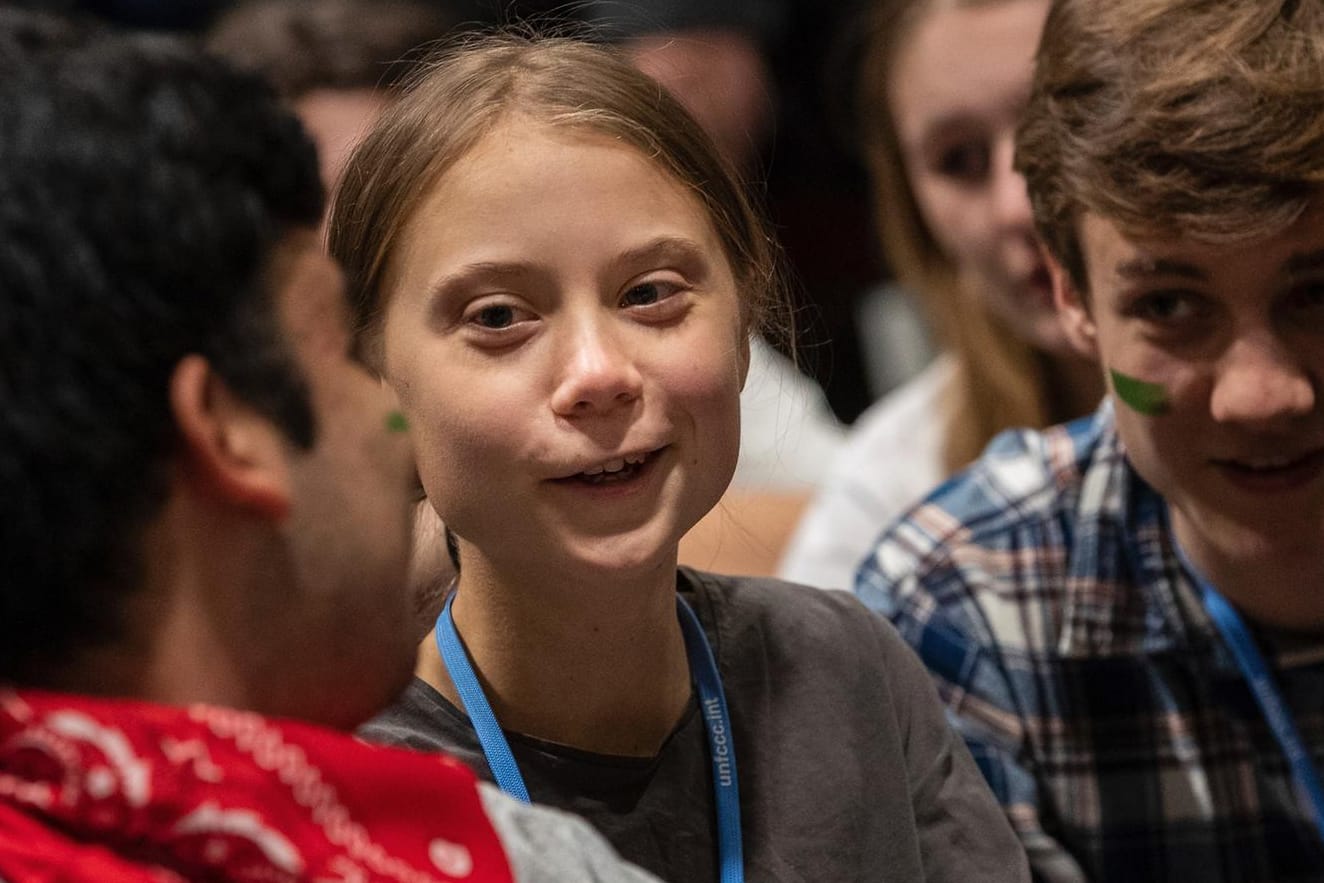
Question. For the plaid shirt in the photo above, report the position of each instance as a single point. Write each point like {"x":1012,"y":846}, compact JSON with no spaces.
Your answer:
{"x":1042,"y":591}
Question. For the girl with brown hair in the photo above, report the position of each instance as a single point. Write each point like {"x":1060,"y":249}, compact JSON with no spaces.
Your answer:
{"x":560,"y":276}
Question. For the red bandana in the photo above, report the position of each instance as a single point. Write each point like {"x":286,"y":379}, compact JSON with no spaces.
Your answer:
{"x":96,"y":789}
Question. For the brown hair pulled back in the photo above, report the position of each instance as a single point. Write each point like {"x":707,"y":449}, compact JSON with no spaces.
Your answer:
{"x":1001,"y":380}
{"x":469,"y":88}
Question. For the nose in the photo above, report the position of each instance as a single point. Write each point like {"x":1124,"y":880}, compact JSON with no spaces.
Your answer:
{"x":1011,"y":201}
{"x":1261,"y":382}
{"x":598,"y":372}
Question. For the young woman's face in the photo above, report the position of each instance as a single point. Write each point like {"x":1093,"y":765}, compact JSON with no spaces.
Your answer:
{"x":958,"y":85}
{"x":564,"y":332}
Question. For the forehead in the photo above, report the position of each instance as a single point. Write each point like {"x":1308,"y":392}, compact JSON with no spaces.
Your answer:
{"x":530,"y":186}
{"x":966,"y":59}
{"x":1116,"y":257}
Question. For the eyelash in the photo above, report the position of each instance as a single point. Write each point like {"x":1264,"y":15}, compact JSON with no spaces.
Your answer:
{"x":515,"y":314}
{"x":1143,"y":306}
{"x":666,"y":291}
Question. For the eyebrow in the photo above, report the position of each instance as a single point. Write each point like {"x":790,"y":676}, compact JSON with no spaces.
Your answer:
{"x":479,"y":270}
{"x":668,"y":249}
{"x":1145,"y":268}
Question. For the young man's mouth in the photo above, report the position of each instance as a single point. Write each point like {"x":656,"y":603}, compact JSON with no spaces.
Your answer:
{"x":1273,"y":472}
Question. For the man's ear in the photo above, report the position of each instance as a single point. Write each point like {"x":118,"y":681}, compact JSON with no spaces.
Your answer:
{"x":227,"y":449}
{"x":1072,"y":309}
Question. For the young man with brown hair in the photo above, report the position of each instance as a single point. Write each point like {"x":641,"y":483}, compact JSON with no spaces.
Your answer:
{"x":1124,"y":614}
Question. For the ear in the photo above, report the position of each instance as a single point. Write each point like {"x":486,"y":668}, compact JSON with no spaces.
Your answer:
{"x":227,"y":449}
{"x":1072,"y":309}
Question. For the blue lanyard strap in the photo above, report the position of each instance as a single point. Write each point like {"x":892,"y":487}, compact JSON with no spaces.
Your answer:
{"x":1267,"y":695}
{"x":717,"y":721}
{"x":461,"y":670}
{"x":712,"y":705}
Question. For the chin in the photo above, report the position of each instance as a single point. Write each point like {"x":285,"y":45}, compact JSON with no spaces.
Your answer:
{"x":624,"y":555}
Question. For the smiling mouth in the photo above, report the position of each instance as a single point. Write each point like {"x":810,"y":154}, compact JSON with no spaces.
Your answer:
{"x":1275,"y":472}
{"x":614,"y":471}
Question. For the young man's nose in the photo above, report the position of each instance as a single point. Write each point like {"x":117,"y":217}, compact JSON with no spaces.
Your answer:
{"x":1260,"y":381}
{"x":597,"y":373}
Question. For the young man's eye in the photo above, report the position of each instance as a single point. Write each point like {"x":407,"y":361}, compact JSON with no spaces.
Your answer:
{"x":1308,"y":297}
{"x":1164,"y":306}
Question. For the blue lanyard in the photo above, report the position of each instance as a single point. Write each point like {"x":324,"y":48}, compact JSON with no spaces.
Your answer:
{"x":1272,"y":705}
{"x":712,"y":705}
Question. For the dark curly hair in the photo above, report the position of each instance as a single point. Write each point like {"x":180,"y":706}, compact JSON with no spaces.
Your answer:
{"x":143,"y":189}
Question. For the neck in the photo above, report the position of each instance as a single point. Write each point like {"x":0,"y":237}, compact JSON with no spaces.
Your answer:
{"x":212,"y":623}
{"x":596,"y":664}
{"x":1272,"y":586}
{"x":168,"y":650}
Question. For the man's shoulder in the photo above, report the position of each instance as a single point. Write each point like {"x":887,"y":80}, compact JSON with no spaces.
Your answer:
{"x":1001,"y":535}
{"x":1024,"y":479}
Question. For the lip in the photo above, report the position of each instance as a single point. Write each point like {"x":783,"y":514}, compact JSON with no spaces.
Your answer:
{"x":603,"y":485}
{"x":1298,"y":471}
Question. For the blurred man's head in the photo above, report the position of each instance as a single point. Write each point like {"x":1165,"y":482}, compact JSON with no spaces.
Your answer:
{"x":333,"y":60}
{"x":206,"y":497}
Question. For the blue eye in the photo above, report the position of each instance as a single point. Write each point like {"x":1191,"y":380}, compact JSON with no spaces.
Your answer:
{"x":642,"y":295}
{"x":499,"y":316}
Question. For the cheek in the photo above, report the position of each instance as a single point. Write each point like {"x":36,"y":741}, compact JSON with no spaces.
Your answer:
{"x":459,"y":422}
{"x":957,"y":218}
{"x":1158,"y":446}
{"x":706,"y":383}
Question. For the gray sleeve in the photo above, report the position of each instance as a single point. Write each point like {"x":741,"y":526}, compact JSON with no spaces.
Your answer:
{"x":964,"y":834}
{"x":546,"y":845}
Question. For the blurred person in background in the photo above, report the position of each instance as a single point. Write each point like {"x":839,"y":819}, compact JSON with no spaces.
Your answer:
{"x":942,"y":89}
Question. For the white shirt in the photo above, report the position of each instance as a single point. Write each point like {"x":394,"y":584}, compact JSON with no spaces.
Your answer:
{"x":892,"y":458}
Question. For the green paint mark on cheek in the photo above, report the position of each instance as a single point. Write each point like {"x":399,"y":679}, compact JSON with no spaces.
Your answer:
{"x":1143,"y":397}
{"x":396,"y":422}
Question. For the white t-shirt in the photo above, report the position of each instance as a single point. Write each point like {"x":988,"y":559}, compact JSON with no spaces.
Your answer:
{"x":789,"y":436}
{"x":892,"y":458}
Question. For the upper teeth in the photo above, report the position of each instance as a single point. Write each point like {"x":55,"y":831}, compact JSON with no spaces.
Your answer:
{"x":615,"y":465}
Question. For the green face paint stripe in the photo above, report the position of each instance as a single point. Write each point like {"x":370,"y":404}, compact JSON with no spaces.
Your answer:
{"x":396,"y":422}
{"x":1147,"y":398}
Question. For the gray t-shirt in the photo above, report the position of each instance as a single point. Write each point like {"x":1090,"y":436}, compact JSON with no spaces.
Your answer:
{"x":544,"y":845}
{"x":847,"y":767}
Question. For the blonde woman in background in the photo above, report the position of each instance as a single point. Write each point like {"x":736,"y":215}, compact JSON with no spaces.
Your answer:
{"x":942,"y":88}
